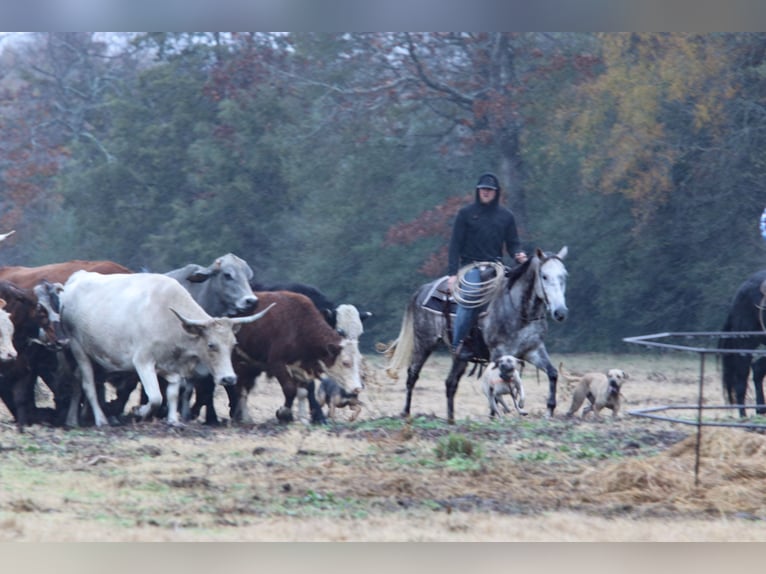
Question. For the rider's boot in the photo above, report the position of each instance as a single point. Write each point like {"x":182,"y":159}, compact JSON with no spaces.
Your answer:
{"x":463,"y":351}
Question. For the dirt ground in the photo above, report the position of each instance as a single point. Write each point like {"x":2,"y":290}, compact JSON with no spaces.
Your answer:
{"x":382,"y":478}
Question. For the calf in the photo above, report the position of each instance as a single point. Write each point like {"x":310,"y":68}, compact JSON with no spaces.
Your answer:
{"x":147,"y":323}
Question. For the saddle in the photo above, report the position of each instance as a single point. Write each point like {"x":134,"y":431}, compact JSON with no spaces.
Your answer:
{"x":439,"y":300}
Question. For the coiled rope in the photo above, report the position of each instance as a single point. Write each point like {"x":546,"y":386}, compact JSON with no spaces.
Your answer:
{"x":472,"y":295}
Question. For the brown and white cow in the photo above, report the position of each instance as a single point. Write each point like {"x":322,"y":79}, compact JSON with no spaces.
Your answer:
{"x":349,"y":324}
{"x":293,"y":344}
{"x":35,"y":325}
{"x":146,"y":323}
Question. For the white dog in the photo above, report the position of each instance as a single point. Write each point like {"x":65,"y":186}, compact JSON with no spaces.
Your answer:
{"x":503,"y":377}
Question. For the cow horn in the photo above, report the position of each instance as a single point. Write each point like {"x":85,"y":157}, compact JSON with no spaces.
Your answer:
{"x":189,"y":322}
{"x":251,"y":318}
{"x":6,"y":235}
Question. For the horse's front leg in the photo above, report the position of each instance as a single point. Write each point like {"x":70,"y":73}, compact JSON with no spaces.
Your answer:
{"x":457,"y":370}
{"x":539,"y":358}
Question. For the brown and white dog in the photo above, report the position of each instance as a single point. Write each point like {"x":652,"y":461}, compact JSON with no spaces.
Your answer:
{"x":603,"y":390}
{"x":503,"y":377}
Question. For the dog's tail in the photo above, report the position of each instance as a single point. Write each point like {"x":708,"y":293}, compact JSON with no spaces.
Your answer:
{"x":570,"y":379}
{"x":563,"y":373}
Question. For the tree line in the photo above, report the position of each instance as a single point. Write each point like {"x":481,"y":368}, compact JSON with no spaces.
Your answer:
{"x":340,"y":160}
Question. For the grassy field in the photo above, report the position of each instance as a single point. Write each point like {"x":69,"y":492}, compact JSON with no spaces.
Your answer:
{"x":382,"y":478}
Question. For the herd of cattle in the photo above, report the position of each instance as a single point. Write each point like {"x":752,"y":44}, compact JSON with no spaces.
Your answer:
{"x":79,"y":325}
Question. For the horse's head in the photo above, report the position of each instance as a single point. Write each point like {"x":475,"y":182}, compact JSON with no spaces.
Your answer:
{"x":551,"y":282}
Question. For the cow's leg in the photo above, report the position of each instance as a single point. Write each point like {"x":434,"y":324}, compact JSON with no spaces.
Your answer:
{"x":317,"y":416}
{"x":289,"y":390}
{"x":88,"y":384}
{"x":24,"y":399}
{"x":243,"y":410}
{"x":457,"y":370}
{"x":187,"y":388}
{"x":124,"y":385}
{"x":72,"y":419}
{"x":6,"y":394}
{"x":413,"y":373}
{"x":151,"y":386}
{"x":173,"y":388}
{"x":204,"y":389}
{"x":302,"y":396}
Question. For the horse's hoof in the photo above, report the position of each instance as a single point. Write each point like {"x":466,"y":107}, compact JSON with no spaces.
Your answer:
{"x":523,"y":412}
{"x":284,"y":415}
{"x":320,"y":420}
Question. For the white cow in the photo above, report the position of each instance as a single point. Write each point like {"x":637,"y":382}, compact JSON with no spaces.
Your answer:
{"x":147,"y":323}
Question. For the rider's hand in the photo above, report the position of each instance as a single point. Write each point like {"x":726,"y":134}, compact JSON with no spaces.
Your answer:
{"x":451,"y":282}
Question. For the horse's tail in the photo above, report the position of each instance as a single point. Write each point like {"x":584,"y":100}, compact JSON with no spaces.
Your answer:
{"x":399,"y":352}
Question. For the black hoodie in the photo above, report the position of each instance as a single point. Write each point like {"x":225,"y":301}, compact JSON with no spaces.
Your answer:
{"x":479,"y":233}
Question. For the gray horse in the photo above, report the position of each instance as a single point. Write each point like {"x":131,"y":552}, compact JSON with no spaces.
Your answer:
{"x":514,"y":324}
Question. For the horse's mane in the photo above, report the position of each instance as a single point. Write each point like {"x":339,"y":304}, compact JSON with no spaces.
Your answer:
{"x":514,"y":273}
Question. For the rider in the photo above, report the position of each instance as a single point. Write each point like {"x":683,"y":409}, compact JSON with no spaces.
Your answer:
{"x":478,"y":235}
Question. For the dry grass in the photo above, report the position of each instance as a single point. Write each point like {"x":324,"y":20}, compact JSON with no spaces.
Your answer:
{"x":379,"y":479}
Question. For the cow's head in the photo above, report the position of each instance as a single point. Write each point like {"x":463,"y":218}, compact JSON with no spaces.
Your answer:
{"x":213,"y":340}
{"x":7,"y":350}
{"x":347,"y":366}
{"x":227,"y":283}
{"x":47,"y":314}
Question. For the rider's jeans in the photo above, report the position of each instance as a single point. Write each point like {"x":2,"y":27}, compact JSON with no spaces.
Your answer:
{"x":465,"y":317}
